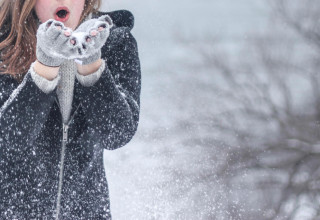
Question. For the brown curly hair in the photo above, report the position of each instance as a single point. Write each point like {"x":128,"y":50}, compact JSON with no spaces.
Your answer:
{"x":18,"y":26}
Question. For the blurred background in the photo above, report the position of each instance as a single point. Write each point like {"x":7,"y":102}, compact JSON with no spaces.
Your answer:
{"x":230,"y":112}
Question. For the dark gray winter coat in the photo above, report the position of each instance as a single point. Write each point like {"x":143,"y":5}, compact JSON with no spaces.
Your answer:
{"x":104,"y":116}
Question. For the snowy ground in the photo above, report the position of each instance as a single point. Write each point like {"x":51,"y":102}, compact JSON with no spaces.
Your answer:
{"x":147,"y":178}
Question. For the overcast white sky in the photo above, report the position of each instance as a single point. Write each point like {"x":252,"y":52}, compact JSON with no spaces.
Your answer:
{"x":157,"y":20}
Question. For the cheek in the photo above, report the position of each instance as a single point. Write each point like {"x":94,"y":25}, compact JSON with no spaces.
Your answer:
{"x":42,"y":10}
{"x":78,"y":8}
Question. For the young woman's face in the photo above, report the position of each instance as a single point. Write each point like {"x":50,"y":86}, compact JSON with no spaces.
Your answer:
{"x":67,"y":11}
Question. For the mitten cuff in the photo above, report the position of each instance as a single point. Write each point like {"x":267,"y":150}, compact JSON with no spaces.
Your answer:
{"x":90,"y":59}
{"x":44,"y":84}
{"x":91,"y":79}
{"x":48,"y":61}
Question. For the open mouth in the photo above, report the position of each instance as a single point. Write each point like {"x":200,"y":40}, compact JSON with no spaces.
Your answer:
{"x":62,"y":14}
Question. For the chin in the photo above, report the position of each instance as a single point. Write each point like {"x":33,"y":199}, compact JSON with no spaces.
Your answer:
{"x":67,"y":24}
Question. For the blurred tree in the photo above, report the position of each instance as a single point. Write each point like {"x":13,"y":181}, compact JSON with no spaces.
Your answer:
{"x":258,"y":115}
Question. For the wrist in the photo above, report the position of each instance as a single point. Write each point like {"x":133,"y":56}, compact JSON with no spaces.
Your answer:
{"x":89,"y":68}
{"x":46,"y":71}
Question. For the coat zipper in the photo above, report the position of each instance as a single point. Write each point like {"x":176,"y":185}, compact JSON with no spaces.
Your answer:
{"x":64,"y":141}
{"x":65,"y":128}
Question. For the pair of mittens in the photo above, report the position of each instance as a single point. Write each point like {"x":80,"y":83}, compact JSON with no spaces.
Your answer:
{"x":57,"y":43}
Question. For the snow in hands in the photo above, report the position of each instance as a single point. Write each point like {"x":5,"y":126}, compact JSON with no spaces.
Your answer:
{"x":89,"y":38}
{"x":83,"y":43}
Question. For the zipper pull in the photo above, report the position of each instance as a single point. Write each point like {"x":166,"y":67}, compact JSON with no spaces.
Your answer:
{"x":65,"y":132}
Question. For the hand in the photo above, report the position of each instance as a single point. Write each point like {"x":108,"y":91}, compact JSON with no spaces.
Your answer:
{"x":53,"y":43}
{"x":89,"y":38}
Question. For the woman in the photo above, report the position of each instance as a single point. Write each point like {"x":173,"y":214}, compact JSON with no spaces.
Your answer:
{"x":69,"y":88}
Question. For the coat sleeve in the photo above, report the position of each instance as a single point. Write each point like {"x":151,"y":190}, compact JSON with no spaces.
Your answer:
{"x":23,"y":110}
{"x":112,"y":104}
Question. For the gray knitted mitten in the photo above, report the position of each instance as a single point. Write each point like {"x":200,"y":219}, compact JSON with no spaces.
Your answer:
{"x":89,"y":38}
{"x":53,"y":46}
